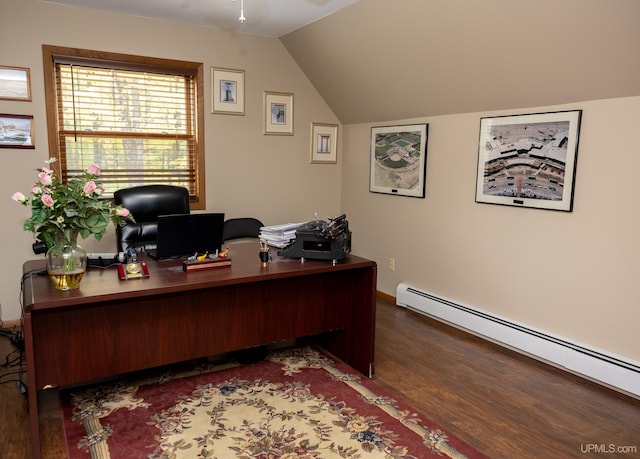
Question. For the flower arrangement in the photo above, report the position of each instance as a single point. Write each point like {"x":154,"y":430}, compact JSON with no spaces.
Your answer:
{"x":59,"y":209}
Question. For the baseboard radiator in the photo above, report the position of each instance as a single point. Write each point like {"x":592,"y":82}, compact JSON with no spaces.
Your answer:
{"x":612,"y":371}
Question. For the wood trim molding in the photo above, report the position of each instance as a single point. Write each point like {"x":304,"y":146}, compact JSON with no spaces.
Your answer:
{"x":11,"y":324}
{"x":386,"y":296}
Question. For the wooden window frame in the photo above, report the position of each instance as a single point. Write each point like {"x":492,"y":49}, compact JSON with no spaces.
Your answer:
{"x":54,"y":54}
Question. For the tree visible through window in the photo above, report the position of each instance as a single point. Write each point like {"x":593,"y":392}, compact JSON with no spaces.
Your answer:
{"x":139,"y":118}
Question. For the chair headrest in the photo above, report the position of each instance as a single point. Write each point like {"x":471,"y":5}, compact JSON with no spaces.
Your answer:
{"x":146,"y":202}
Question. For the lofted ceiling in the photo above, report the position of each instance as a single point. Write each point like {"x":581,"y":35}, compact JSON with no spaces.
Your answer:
{"x":383,"y":60}
{"x":263,"y":17}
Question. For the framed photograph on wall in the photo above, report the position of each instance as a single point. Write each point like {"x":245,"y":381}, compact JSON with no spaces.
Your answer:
{"x":528,"y":160}
{"x":16,"y":131}
{"x":278,"y":113}
{"x":15,"y":83}
{"x":324,"y":143}
{"x":227,"y":91}
{"x":399,"y":160}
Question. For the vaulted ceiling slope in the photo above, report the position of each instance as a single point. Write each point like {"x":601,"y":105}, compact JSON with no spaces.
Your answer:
{"x":271,"y":18}
{"x":380,"y":60}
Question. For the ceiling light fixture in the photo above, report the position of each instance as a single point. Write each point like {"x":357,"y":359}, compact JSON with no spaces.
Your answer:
{"x":241,"y":18}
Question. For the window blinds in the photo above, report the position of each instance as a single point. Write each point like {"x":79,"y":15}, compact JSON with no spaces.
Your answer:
{"x":138,"y":126}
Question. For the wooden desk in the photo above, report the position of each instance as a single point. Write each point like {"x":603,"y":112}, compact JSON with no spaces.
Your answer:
{"x":110,"y":327}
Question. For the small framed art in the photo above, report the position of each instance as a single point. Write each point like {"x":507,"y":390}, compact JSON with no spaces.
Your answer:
{"x":528,"y":160}
{"x":399,"y":160}
{"x":278,"y":113}
{"x":227,"y":91}
{"x":324,"y":143}
{"x":16,"y":131}
{"x":15,"y":83}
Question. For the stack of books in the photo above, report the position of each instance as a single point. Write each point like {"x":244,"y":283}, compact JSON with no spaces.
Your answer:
{"x":279,"y":235}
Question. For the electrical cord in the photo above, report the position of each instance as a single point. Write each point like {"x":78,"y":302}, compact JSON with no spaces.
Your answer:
{"x":14,"y":364}
{"x":16,"y":359}
{"x":17,"y":339}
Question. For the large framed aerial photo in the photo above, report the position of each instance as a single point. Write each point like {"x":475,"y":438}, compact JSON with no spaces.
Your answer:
{"x":528,"y":160}
{"x":15,"y":83}
{"x":227,"y":91}
{"x":16,"y":131}
{"x":399,"y":160}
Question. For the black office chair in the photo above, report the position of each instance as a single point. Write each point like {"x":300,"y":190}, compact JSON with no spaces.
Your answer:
{"x":146,"y":203}
{"x":236,"y":228}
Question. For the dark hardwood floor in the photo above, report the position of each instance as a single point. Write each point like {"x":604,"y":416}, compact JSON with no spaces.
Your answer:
{"x":502,"y":403}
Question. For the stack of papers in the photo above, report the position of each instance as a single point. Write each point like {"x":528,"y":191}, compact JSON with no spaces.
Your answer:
{"x":279,"y":235}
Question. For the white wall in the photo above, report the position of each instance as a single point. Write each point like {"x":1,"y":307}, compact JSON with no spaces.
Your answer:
{"x":247,"y":173}
{"x":574,"y":274}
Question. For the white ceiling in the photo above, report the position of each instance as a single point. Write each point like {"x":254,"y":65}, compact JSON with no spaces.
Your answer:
{"x":263,"y":17}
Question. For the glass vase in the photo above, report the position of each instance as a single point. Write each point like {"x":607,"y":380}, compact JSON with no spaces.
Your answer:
{"x":66,"y":261}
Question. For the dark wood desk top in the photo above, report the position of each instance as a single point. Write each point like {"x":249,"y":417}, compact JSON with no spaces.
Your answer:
{"x":167,"y":276}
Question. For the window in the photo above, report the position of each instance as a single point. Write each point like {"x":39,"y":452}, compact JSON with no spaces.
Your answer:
{"x":139,"y":118}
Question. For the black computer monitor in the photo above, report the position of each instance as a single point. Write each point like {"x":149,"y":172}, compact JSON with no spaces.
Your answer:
{"x":181,"y":235}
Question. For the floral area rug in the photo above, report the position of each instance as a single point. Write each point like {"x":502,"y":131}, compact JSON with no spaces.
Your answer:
{"x":298,"y":403}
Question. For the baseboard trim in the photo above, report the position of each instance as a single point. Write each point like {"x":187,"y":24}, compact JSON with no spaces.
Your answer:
{"x":610,"y":370}
{"x":386,"y":296}
{"x":8,"y":324}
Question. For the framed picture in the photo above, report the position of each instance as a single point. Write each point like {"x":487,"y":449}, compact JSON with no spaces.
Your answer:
{"x":528,"y":160}
{"x":278,"y":113}
{"x":324,"y":143}
{"x":16,"y":131}
{"x":227,"y":91}
{"x":399,"y":160}
{"x":15,"y":83}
